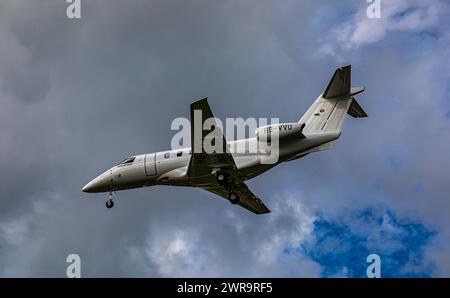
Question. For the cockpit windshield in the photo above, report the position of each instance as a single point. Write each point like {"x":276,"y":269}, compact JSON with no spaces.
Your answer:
{"x":127,"y":160}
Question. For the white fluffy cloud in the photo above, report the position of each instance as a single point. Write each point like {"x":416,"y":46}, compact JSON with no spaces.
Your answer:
{"x":182,"y":251}
{"x":396,"y":16}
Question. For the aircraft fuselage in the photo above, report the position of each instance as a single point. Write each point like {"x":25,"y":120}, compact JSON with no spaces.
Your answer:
{"x":170,"y":167}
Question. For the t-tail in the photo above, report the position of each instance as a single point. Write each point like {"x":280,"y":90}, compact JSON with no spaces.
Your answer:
{"x":328,"y":111}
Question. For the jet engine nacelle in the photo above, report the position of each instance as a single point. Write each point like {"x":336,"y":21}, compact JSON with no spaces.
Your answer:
{"x":283,"y":130}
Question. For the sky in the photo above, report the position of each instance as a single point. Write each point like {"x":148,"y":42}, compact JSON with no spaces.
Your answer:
{"x":79,"y":95}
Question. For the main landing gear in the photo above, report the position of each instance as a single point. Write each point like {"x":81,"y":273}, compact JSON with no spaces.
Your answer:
{"x":109,"y":204}
{"x":233,"y":197}
{"x":222,"y":179}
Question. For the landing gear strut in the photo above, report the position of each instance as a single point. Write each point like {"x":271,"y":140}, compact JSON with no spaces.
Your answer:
{"x":109,"y":204}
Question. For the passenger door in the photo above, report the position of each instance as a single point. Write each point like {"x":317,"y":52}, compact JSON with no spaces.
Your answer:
{"x":150,"y":164}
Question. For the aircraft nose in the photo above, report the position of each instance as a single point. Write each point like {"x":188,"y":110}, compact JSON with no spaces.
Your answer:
{"x":92,"y":186}
{"x":99,"y":184}
{"x":87,"y":188}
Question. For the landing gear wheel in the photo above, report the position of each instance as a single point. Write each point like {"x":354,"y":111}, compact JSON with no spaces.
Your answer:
{"x":109,"y":204}
{"x":221,"y":178}
{"x":233,"y":197}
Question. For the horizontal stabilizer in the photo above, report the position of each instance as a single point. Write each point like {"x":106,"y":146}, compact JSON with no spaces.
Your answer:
{"x":355,"y":110}
{"x":356,"y":90}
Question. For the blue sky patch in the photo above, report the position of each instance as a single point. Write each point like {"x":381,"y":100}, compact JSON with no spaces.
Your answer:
{"x":342,"y":246}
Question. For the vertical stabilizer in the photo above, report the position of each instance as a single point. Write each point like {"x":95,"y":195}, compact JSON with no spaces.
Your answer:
{"x":328,"y":111}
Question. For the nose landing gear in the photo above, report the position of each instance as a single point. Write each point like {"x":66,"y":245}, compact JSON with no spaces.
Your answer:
{"x":109,"y":204}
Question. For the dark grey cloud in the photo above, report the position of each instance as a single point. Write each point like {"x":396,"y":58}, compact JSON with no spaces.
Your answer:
{"x":79,"y":95}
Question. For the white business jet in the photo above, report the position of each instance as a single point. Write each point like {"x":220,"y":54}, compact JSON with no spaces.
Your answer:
{"x":223,"y":172}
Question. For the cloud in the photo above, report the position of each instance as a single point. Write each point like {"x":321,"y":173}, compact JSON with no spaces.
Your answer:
{"x":177,"y":254}
{"x":26,"y":51}
{"x":396,"y":16}
{"x":260,"y":247}
{"x":22,"y":75}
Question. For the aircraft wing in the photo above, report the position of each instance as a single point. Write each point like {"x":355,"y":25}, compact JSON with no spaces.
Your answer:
{"x":202,"y":162}
{"x":248,"y":199}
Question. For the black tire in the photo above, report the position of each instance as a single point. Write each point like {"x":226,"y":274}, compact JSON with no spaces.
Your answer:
{"x":233,"y":197}
{"x":221,"y":178}
{"x":109,"y":204}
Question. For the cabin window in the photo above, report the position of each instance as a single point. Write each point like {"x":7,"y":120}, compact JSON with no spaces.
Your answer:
{"x":179,"y":153}
{"x":128,"y":160}
{"x":166,"y":155}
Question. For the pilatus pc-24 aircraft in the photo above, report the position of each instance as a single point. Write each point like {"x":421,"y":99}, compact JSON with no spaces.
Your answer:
{"x":224,"y":173}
